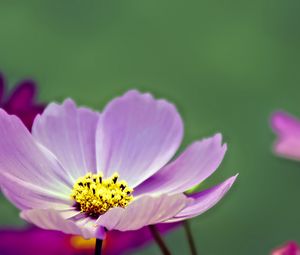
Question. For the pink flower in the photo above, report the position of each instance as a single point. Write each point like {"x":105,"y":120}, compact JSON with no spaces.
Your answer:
{"x":287,"y":129}
{"x":290,"y":248}
{"x":82,"y":172}
{"x":34,"y":241}
{"x":21,"y":102}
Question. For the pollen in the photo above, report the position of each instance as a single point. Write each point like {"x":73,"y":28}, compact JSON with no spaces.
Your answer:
{"x":95,"y":195}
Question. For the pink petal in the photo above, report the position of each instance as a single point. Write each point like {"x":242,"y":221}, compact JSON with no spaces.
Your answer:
{"x":287,"y":128}
{"x":290,"y":248}
{"x":145,"y":210}
{"x":28,"y":171}
{"x":33,"y":241}
{"x":69,"y":133}
{"x":22,"y":97}
{"x":137,"y":136}
{"x":53,"y":220}
{"x":204,"y":200}
{"x":193,"y":166}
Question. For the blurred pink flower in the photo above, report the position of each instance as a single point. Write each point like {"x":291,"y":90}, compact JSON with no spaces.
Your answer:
{"x":21,"y":101}
{"x":287,"y":129}
{"x":290,"y":248}
{"x":36,"y":241}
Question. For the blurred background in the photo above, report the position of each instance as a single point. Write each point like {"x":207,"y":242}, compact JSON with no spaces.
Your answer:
{"x":227,"y":65}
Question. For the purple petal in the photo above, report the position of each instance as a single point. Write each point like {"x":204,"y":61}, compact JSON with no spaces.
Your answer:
{"x":32,"y":241}
{"x":28,"y":114}
{"x":204,"y":200}
{"x":27,"y":170}
{"x":118,"y":242}
{"x":53,"y":220}
{"x":145,"y":210}
{"x":69,"y":133}
{"x":193,"y":166}
{"x":22,"y":97}
{"x":137,"y":136}
{"x":287,"y":128}
{"x":290,"y":248}
{"x":21,"y":102}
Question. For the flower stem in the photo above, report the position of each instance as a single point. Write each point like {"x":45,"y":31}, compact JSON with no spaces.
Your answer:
{"x":98,"y":248}
{"x":190,"y":238}
{"x":160,"y":242}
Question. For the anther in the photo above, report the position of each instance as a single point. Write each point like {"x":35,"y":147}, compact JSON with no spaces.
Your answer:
{"x":115,"y":179}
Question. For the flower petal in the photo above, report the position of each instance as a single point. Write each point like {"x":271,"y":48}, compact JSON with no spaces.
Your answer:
{"x":136,"y":136}
{"x":26,"y":195}
{"x":32,"y":241}
{"x":193,"y":166}
{"x":26,"y":168}
{"x":145,"y":210}
{"x":69,"y":133}
{"x":290,"y":248}
{"x":287,"y":128}
{"x":53,"y":220}
{"x":22,"y":96}
{"x":204,"y":200}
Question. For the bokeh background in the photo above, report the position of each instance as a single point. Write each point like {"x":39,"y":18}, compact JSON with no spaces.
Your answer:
{"x":227,"y":65}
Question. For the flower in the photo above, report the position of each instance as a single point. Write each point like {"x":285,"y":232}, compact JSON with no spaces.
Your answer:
{"x":287,"y":129}
{"x":290,"y":248}
{"x":21,"y":101}
{"x":33,"y":241}
{"x":84,"y":173}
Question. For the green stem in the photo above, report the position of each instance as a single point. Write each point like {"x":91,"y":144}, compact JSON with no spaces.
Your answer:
{"x":190,"y":238}
{"x":160,"y":242}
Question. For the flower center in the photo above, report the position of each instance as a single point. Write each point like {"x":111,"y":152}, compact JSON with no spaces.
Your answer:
{"x":95,"y":195}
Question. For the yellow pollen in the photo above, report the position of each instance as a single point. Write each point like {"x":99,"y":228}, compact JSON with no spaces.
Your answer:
{"x":95,"y":195}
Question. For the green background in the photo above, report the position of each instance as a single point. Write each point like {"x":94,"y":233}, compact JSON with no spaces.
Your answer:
{"x":227,"y":65}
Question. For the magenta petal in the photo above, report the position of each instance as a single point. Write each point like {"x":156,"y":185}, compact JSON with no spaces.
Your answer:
{"x":137,"y":135}
{"x":290,"y":248}
{"x":27,"y":170}
{"x":69,"y":133}
{"x":22,"y":97}
{"x":192,"y":167}
{"x":33,"y":241}
{"x":21,"y":102}
{"x":287,"y":128}
{"x":143,"y":211}
{"x":204,"y":200}
{"x":54,"y":220}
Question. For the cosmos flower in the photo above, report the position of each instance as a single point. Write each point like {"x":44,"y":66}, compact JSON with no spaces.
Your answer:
{"x":86,"y":173}
{"x":21,"y":101}
{"x":36,"y":241}
{"x":32,"y":241}
{"x":290,"y":248}
{"x":287,"y":129}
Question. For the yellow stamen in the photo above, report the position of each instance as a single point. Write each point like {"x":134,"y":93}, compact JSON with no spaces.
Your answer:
{"x":95,"y":195}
